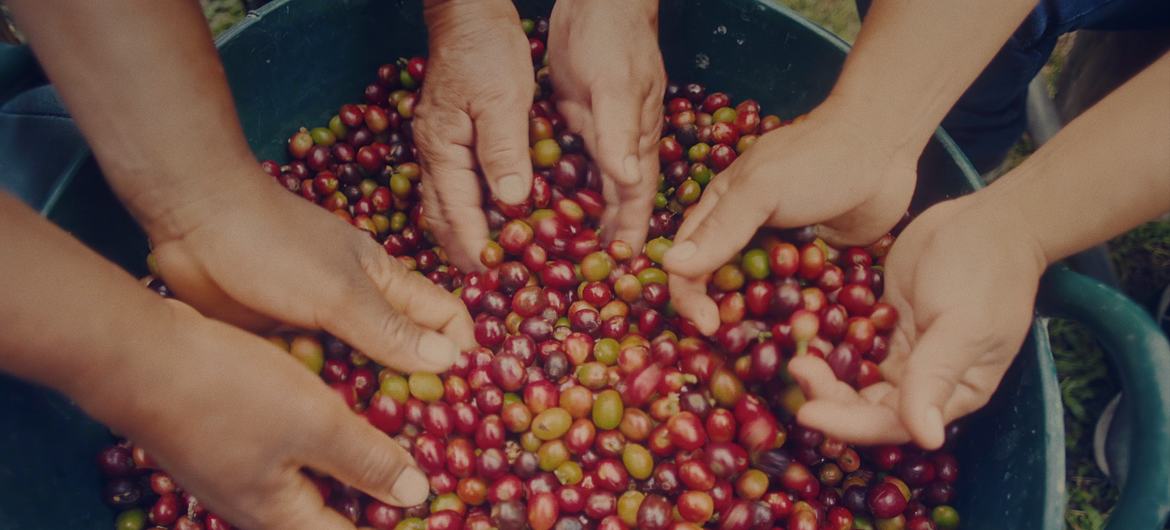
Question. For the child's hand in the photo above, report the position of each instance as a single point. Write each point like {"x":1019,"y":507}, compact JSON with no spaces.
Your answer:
{"x":259,"y":252}
{"x":822,"y":171}
{"x":609,"y":81}
{"x":238,"y":422}
{"x":472,"y":120}
{"x":963,"y":283}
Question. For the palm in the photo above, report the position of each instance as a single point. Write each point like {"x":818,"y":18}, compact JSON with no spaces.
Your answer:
{"x":964,"y":305}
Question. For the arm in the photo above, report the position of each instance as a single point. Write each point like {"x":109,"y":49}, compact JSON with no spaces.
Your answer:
{"x":1105,"y":173}
{"x":181,"y":385}
{"x":913,"y":59}
{"x":850,"y":167}
{"x":154,"y":105}
{"x":963,"y":275}
{"x":153,"y":102}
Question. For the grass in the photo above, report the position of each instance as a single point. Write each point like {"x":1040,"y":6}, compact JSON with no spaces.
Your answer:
{"x":222,"y":14}
{"x":1086,"y":386}
{"x":1142,"y":258}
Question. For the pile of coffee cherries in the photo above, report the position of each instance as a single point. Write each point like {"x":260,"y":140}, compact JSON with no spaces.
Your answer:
{"x":589,"y":402}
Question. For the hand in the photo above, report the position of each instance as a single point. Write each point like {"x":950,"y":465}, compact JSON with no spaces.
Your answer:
{"x":821,"y":171}
{"x":473,"y":114}
{"x":607,"y":72}
{"x":236,"y":421}
{"x":963,"y":281}
{"x":256,"y":251}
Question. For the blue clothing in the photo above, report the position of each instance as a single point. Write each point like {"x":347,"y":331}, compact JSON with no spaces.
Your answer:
{"x":990,"y":116}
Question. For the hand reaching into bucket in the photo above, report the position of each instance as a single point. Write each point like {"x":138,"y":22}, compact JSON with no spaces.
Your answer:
{"x":354,"y":289}
{"x":189,"y":178}
{"x":818,"y":171}
{"x":964,"y":294}
{"x":964,"y":274}
{"x":473,"y":115}
{"x":235,"y":418}
{"x":850,"y":167}
{"x":609,"y":80}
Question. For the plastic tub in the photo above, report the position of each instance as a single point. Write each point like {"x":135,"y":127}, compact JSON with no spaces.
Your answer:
{"x":295,"y":61}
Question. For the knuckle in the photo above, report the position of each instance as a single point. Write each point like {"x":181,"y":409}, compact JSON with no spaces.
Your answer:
{"x":397,"y":331}
{"x":377,"y":265}
{"x":378,"y":464}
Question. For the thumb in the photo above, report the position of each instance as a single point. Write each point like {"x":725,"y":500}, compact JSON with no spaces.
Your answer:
{"x":360,"y":455}
{"x":931,"y":375}
{"x":369,"y":323}
{"x":361,"y":316}
{"x":301,"y":508}
{"x":732,"y":216}
{"x":501,"y":146}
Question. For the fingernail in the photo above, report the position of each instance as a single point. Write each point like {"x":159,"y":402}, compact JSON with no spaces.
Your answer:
{"x":437,"y":350}
{"x":411,"y":488}
{"x":630,"y":170}
{"x":934,"y":422}
{"x":681,"y":252}
{"x":511,"y":190}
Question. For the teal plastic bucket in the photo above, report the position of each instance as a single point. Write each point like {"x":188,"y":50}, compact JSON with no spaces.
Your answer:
{"x":295,"y":61}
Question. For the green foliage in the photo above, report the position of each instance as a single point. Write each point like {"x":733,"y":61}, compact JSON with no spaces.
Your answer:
{"x":1086,"y":386}
{"x":1142,"y":259}
{"x":838,"y":16}
{"x":222,"y":14}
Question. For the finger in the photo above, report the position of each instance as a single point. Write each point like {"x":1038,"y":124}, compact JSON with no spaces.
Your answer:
{"x":618,"y":129}
{"x":817,"y":381}
{"x":365,"y":319}
{"x":298,"y":506}
{"x":452,"y":203}
{"x":578,"y":118}
{"x":697,"y":213}
{"x":689,"y":298}
{"x":636,"y":202}
{"x":360,"y":455}
{"x":860,"y":422}
{"x":877,"y":392}
{"x":727,"y":229}
{"x":413,"y":295}
{"x":839,"y":410}
{"x":501,"y":146}
{"x":930,"y":377}
{"x":192,"y":284}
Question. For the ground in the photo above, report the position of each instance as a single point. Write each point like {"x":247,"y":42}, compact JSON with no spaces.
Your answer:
{"x":1142,"y":258}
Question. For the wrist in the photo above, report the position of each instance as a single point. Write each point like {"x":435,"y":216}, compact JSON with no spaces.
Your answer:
{"x":1004,"y":224}
{"x":99,"y":376}
{"x":440,"y":15}
{"x":868,"y":139}
{"x":647,"y":9}
{"x":887,"y":132}
{"x":169,"y":204}
{"x":119,"y":383}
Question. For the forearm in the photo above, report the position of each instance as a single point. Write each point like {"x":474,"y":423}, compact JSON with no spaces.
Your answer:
{"x":1106,"y":172}
{"x":69,"y":316}
{"x":145,"y":85}
{"x":449,"y":15}
{"x":914,"y":58}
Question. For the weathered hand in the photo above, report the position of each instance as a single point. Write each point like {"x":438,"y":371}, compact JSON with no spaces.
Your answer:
{"x":257,"y":253}
{"x":608,"y":77}
{"x":473,"y":119}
